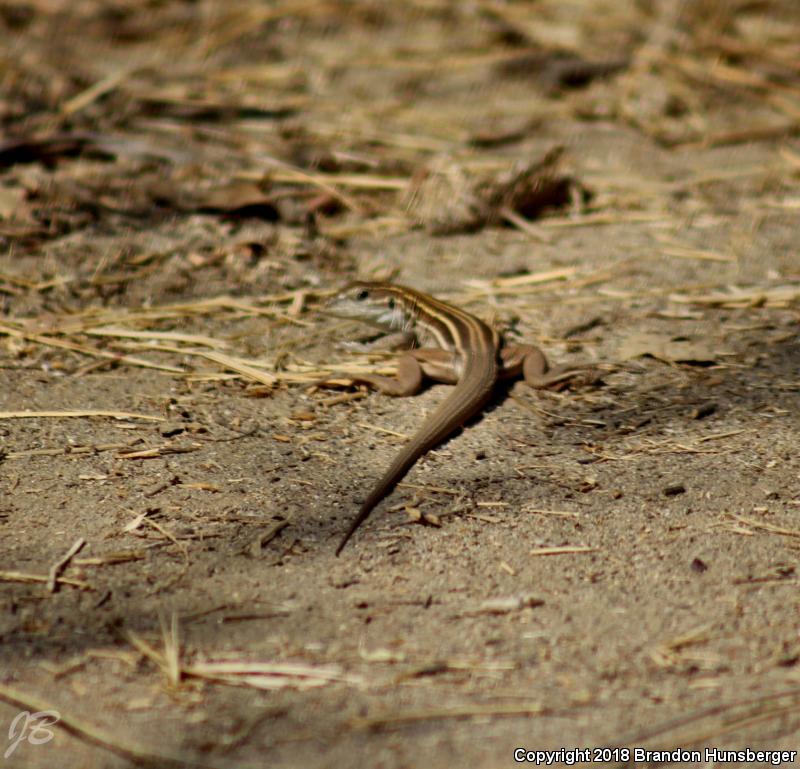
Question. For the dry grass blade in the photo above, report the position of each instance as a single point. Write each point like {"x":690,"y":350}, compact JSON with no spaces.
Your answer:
{"x":531,"y":279}
{"x":159,"y":451}
{"x":66,"y":450}
{"x":432,"y":489}
{"x":777,"y":296}
{"x":672,"y":652}
{"x":270,"y":675}
{"x":559,"y":513}
{"x":104,"y":324}
{"x":64,"y":345}
{"x":174,"y":192}
{"x":317,"y":180}
{"x":602,"y":218}
{"x":240,"y":368}
{"x":751,"y":711}
{"x":110,"y":558}
{"x":18,"y":576}
{"x":437,"y":714}
{"x":257,"y":675}
{"x":355,"y":181}
{"x":384,"y":430}
{"x":96,"y":90}
{"x":123,"y":415}
{"x":721,"y":436}
{"x":170,"y":536}
{"x":146,"y":650}
{"x":98,"y":318}
{"x":172,"y":649}
{"x":681,"y":252}
{"x":771,"y":527}
{"x":168,"y":336}
{"x":506,"y":604}
{"x":565,"y":550}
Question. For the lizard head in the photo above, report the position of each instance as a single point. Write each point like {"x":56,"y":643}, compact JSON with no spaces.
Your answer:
{"x":380,"y":304}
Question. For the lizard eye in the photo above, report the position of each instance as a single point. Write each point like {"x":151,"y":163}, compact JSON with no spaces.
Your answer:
{"x":362,"y":295}
{"x":391,"y":303}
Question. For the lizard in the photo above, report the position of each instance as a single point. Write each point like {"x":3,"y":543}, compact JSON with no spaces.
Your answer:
{"x":469,"y":353}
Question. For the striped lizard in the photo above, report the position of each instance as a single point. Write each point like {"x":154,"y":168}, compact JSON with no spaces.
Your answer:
{"x":469,"y":353}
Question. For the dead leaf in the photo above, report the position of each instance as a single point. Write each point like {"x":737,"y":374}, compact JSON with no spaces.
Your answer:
{"x":447,"y":199}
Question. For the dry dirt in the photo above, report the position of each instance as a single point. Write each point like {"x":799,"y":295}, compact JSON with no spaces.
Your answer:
{"x":614,"y":563}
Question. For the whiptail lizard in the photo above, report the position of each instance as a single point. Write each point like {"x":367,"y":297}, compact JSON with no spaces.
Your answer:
{"x":470,"y":355}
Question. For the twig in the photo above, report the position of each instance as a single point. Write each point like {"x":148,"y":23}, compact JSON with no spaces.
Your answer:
{"x":264,"y":539}
{"x":564,"y":550}
{"x":69,"y":450}
{"x":170,"y":536}
{"x":61,"y":564}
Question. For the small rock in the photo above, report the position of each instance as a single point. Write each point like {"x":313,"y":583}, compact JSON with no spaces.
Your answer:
{"x":168,"y":429}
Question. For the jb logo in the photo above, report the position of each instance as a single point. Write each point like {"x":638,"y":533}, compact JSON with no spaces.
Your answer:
{"x":31,"y":727}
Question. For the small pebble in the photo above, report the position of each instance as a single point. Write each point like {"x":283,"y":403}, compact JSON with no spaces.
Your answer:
{"x":706,"y":410}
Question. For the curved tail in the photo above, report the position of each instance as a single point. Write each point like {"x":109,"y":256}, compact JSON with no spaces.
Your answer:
{"x":468,"y":396}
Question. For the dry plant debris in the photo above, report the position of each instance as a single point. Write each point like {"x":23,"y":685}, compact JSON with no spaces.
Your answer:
{"x":181,"y":184}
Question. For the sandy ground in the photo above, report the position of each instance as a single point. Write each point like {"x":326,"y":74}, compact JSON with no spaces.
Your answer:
{"x":610,"y":564}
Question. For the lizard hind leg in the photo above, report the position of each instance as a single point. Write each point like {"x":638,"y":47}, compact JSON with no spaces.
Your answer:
{"x":532,"y":364}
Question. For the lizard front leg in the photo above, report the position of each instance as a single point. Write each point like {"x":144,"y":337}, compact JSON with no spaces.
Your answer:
{"x":412,"y":368}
